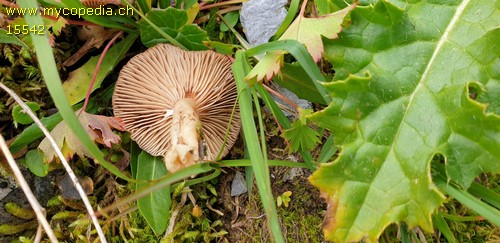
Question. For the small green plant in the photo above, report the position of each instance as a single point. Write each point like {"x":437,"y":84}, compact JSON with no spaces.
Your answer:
{"x":284,"y":199}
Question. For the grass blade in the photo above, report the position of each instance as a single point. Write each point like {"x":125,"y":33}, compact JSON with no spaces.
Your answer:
{"x":144,"y":5}
{"x":53,"y":81}
{"x":441,"y":224}
{"x":290,"y":16}
{"x":481,"y":208}
{"x":247,"y":162}
{"x":485,"y":194}
{"x":261,"y":170}
{"x":165,"y":181}
{"x":11,"y":39}
{"x":328,"y":150}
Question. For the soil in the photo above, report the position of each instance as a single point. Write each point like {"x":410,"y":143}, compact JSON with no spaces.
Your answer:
{"x":244,"y":216}
{"x":10,"y":192}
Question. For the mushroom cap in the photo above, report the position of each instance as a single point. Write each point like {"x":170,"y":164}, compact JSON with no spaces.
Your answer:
{"x":152,"y":82}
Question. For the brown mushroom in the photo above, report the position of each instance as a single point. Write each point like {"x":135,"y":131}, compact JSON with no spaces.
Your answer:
{"x":177,"y":104}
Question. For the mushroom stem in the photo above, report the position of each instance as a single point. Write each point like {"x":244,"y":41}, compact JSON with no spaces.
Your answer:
{"x":185,"y":136}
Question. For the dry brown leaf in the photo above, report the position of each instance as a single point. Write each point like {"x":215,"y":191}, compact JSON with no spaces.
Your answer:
{"x":97,"y":127}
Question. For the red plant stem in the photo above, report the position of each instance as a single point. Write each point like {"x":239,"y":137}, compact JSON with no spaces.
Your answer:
{"x":286,"y":100}
{"x":97,"y":67}
{"x":209,"y":6}
{"x":281,"y":97}
{"x":6,"y":3}
{"x":282,"y":132}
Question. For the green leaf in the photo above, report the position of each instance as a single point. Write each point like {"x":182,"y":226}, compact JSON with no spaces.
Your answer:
{"x":78,"y":82}
{"x":35,"y":163}
{"x":155,"y":207}
{"x":300,"y":53}
{"x":57,"y":25}
{"x":328,"y":150}
{"x":282,"y":120}
{"x":135,"y":151}
{"x":301,"y":136}
{"x":173,"y":22}
{"x":223,"y":48}
{"x":401,"y":97}
{"x":269,"y":66}
{"x":326,"y":6}
{"x":307,"y":31}
{"x":294,"y":78}
{"x":11,"y":39}
{"x":232,"y":18}
{"x":20,"y":116}
{"x":33,"y":132}
{"x":192,"y":11}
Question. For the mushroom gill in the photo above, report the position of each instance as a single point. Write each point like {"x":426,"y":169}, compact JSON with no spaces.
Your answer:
{"x":178,"y":104}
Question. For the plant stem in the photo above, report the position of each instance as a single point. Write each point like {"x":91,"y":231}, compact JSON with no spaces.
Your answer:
{"x":68,"y":169}
{"x":214,"y":5}
{"x":39,"y":211}
{"x":97,"y":67}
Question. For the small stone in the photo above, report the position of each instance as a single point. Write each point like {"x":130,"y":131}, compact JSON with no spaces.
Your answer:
{"x":294,"y":172}
{"x":69,"y":191}
{"x":261,"y":19}
{"x":238,"y":186}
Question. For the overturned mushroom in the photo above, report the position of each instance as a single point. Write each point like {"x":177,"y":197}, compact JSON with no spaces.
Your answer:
{"x":178,"y":104}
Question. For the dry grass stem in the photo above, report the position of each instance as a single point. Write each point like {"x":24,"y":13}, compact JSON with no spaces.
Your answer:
{"x":26,"y":189}
{"x":71,"y":174}
{"x":38,"y":236}
{"x":174,"y":214}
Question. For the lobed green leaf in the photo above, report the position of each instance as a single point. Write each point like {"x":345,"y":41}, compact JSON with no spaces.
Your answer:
{"x":174,"y":23}
{"x":403,"y":93}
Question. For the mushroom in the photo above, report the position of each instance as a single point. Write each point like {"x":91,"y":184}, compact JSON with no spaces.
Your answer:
{"x":178,"y":104}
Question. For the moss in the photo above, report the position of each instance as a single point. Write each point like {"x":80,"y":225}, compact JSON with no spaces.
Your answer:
{"x":300,"y":222}
{"x":18,"y":211}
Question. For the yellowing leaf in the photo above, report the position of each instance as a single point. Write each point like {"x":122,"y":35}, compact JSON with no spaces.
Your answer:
{"x":267,"y":67}
{"x":58,"y":26}
{"x":309,"y":30}
{"x":98,"y":127}
{"x":192,"y":12}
